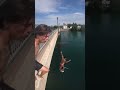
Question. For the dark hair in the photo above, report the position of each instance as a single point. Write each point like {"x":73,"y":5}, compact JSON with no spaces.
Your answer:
{"x":13,"y":11}
{"x":42,"y":29}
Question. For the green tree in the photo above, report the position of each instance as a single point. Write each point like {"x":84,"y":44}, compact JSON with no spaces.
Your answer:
{"x":55,"y":27}
{"x":74,"y":27}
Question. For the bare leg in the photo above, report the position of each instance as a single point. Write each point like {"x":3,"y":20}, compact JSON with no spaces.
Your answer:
{"x":67,"y":61}
{"x":62,"y":54}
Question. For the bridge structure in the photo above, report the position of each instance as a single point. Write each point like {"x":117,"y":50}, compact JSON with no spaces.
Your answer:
{"x":45,"y":56}
{"x":20,"y":72}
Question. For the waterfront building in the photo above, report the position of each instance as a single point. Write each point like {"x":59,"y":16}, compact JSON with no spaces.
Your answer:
{"x":65,"y":26}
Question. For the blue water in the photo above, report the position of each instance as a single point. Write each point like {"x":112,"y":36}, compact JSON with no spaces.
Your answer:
{"x":72,"y":45}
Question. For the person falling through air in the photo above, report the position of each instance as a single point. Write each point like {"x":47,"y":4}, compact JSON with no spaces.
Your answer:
{"x":63,"y":62}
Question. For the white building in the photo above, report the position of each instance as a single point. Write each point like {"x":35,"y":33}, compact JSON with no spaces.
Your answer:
{"x":78,"y":27}
{"x":65,"y":26}
{"x":70,"y":27}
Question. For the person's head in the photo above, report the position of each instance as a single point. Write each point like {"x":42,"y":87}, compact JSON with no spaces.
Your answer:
{"x":42,"y":32}
{"x":17,"y":17}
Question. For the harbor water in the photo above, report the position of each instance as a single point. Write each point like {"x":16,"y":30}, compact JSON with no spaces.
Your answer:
{"x":72,"y":44}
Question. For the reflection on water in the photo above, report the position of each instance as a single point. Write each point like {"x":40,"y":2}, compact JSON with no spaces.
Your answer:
{"x":72,"y":45}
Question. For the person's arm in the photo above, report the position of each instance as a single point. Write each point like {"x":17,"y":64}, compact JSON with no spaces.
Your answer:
{"x":36,"y":49}
{"x":38,"y":65}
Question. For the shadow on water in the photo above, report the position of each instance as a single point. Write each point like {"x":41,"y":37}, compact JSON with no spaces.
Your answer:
{"x":74,"y":77}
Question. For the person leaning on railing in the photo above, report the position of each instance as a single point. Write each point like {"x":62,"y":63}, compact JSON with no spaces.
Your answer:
{"x":16,"y":19}
{"x":42,"y":33}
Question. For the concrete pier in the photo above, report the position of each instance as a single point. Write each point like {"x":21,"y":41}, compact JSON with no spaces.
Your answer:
{"x":45,"y":57}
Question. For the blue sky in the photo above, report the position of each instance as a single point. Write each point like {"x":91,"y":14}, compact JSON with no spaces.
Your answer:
{"x":67,"y":11}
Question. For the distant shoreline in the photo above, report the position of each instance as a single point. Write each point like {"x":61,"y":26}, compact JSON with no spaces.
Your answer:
{"x":64,"y":30}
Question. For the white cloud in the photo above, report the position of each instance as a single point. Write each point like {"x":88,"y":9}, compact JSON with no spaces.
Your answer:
{"x":63,"y":18}
{"x":63,"y":8}
{"x":77,"y":13}
{"x":46,"y":6}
